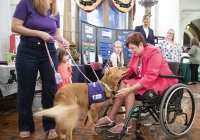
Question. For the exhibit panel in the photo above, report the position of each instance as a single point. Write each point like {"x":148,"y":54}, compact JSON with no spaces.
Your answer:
{"x":121,"y":36}
{"x":105,"y":39}
{"x":88,"y":43}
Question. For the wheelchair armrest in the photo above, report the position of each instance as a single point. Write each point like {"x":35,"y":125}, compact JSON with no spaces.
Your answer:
{"x":171,"y":76}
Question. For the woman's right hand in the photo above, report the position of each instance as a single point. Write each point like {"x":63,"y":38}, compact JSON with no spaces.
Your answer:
{"x":45,"y":36}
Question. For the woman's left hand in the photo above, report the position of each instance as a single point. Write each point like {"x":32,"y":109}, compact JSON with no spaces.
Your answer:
{"x":62,"y":42}
{"x":122,"y":93}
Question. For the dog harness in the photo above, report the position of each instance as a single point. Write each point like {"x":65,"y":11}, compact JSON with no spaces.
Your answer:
{"x":96,"y":93}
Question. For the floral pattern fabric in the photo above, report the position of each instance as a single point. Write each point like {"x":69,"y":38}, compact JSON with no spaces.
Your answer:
{"x":171,"y":52}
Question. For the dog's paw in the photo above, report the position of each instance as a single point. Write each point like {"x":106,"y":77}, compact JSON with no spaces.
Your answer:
{"x":62,"y":137}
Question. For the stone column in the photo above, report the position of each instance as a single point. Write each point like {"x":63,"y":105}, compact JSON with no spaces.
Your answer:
{"x":67,"y":27}
{"x":5,"y":29}
{"x":130,"y":19}
{"x":106,"y":13}
{"x":77,"y":26}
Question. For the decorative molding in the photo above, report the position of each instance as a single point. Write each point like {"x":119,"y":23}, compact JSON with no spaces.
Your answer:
{"x":88,"y":5}
{"x":122,"y":5}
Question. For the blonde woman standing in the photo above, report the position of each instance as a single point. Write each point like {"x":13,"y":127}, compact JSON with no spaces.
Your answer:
{"x":171,"y":50}
{"x":37,"y":21}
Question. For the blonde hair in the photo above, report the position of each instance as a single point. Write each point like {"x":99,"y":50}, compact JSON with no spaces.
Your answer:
{"x":173,"y":40}
{"x":42,"y":7}
{"x":121,"y":53}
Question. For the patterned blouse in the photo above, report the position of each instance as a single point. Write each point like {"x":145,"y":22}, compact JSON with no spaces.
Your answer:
{"x":170,"y":52}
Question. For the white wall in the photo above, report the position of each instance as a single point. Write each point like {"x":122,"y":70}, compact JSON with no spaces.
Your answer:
{"x":6,"y":12}
{"x":167,"y":16}
{"x":189,"y":11}
{"x":140,"y":11}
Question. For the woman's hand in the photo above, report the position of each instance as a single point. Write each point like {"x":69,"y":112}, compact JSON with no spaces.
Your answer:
{"x":45,"y":36}
{"x":123,"y":92}
{"x":62,"y":42}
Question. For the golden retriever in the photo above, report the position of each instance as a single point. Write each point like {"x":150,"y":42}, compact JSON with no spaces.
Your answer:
{"x":70,"y":98}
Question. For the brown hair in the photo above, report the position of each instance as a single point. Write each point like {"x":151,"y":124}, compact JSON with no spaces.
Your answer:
{"x":194,"y":41}
{"x":61,"y":52}
{"x":42,"y":7}
{"x":135,"y":38}
{"x":145,"y":17}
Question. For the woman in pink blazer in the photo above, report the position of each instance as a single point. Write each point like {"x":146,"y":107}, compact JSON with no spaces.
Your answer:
{"x":147,"y":62}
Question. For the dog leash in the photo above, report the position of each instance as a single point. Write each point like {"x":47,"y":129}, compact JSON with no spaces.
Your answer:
{"x":77,"y":66}
{"x":58,"y":78}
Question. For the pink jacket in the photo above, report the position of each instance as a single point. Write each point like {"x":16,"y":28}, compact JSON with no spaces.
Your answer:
{"x":153,"y":64}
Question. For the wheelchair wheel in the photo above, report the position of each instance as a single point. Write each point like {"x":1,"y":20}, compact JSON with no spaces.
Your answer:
{"x":177,"y":110}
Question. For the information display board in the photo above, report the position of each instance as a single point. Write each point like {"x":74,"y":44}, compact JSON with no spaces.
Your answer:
{"x":105,"y":39}
{"x":88,"y":43}
{"x":121,"y":36}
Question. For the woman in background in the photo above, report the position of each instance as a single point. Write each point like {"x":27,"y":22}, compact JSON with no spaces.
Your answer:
{"x":194,"y":56}
{"x":146,"y":31}
{"x":171,"y":50}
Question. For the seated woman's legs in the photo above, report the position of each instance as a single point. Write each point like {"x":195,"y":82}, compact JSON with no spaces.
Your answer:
{"x":113,"y":110}
{"x":129,"y":103}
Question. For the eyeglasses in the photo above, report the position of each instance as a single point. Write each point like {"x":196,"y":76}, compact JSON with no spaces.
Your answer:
{"x":118,"y":47}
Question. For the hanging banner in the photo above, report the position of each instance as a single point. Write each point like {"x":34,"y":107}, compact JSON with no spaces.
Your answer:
{"x":88,"y":5}
{"x":122,"y":5}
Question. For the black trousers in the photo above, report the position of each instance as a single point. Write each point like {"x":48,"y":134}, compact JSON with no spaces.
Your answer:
{"x":194,"y":72}
{"x":31,"y":58}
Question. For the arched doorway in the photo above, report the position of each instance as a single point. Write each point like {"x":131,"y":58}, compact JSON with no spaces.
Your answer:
{"x":190,"y":27}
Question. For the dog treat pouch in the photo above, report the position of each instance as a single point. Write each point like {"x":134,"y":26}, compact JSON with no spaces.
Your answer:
{"x":58,"y":78}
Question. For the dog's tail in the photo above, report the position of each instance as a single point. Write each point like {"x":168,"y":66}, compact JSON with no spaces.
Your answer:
{"x":58,"y":110}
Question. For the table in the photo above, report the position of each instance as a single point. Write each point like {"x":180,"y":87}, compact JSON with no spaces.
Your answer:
{"x":8,"y":81}
{"x":186,"y":73}
{"x":77,"y":77}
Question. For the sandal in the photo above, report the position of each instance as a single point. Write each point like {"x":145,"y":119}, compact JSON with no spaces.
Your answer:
{"x":110,"y":123}
{"x":52,"y":134}
{"x":24,"y":134}
{"x":121,"y":124}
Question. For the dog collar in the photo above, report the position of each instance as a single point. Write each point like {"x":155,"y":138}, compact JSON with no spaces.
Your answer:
{"x":108,"y":88}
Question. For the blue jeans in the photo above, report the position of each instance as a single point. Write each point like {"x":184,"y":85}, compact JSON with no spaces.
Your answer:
{"x":31,"y":57}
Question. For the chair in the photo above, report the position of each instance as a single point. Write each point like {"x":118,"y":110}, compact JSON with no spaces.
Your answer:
{"x":174,"y":110}
{"x":97,"y":69}
{"x":3,"y":63}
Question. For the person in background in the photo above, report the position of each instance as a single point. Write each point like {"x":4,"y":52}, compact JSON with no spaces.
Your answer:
{"x":171,"y":50}
{"x":146,"y":31}
{"x":38,"y":22}
{"x":147,"y":63}
{"x":194,"y":57}
{"x":64,"y":68}
{"x":116,"y":58}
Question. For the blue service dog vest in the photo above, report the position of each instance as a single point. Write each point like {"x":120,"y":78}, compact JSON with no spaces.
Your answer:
{"x":96,"y":93}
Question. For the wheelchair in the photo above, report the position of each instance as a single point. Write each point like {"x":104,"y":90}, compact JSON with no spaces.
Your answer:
{"x":174,"y":109}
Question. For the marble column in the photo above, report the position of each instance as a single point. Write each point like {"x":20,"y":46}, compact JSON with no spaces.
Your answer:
{"x":106,"y":10}
{"x":67,"y":21}
{"x":5,"y":27}
{"x":130,"y":19}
